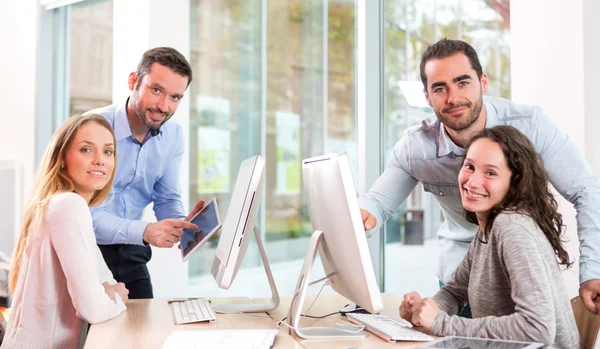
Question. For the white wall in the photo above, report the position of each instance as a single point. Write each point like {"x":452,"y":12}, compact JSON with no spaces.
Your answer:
{"x":138,"y":26}
{"x":547,"y":56}
{"x":19,"y":36}
{"x":591,"y":32}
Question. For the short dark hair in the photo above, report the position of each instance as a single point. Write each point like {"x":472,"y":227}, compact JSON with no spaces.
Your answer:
{"x":446,"y":48}
{"x":167,"y":56}
{"x":528,"y":192}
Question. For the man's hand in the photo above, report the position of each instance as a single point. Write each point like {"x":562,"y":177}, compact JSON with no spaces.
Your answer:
{"x":109,"y":290}
{"x":369,"y":220}
{"x":199,"y":205}
{"x":167,"y":232}
{"x":409,"y":300}
{"x":588,"y":291}
{"x":118,"y":288}
{"x":424,"y":313}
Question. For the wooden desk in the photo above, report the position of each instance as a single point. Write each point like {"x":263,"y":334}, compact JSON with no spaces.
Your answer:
{"x":331,"y":303}
{"x":147,"y":324}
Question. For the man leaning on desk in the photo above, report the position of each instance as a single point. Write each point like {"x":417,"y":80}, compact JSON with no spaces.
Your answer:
{"x":149,"y":154}
{"x":432,"y":153}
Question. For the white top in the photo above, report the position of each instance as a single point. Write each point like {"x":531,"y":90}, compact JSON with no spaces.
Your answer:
{"x":60,"y":280}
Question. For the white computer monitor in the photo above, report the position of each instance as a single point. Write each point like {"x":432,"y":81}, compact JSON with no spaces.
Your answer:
{"x":340,"y":239}
{"x":239,"y":225}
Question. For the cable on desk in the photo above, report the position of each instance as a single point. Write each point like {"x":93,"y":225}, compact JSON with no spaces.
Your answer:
{"x":315,"y":317}
{"x":320,"y":317}
{"x":318,"y":294}
{"x":317,"y":297}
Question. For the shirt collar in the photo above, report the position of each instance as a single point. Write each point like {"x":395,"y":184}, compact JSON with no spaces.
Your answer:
{"x":445,"y":143}
{"x":490,"y":113}
{"x":121,"y":127}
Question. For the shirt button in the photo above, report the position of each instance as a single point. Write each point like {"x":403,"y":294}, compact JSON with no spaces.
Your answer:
{"x":441,"y":193}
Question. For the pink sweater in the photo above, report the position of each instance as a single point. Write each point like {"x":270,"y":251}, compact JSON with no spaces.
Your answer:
{"x":60,"y":281}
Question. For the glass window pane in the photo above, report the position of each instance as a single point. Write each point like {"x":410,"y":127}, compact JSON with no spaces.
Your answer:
{"x":410,"y":26}
{"x":308,"y":110}
{"x":91,"y":55}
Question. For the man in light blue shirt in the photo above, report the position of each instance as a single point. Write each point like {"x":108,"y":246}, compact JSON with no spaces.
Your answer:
{"x":432,"y":153}
{"x":149,"y":153}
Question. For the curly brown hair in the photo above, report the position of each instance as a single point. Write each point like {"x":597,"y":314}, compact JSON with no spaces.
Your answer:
{"x":528,"y":192}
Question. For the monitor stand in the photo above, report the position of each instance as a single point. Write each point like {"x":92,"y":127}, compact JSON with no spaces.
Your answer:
{"x":272,"y":304}
{"x":293,"y":319}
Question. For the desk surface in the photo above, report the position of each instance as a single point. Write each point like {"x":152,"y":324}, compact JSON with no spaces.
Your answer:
{"x":148,"y":322}
{"x":331,"y":303}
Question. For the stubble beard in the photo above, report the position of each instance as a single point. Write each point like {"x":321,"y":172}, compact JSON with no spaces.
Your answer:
{"x":465,"y":121}
{"x":145,"y":119}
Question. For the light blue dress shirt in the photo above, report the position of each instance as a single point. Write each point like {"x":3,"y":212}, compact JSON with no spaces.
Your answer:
{"x":146,"y":173}
{"x":426,"y":154}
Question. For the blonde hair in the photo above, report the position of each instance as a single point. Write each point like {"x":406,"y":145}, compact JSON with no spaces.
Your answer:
{"x":52,"y":178}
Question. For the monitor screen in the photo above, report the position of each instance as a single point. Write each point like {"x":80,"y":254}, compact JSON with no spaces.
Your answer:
{"x":208,"y":222}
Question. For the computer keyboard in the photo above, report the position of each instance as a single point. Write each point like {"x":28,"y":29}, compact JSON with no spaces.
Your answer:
{"x":389,"y":329}
{"x":193,"y":310}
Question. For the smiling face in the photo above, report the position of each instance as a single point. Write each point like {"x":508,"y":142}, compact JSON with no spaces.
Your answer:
{"x":156,"y":98}
{"x":455,"y":92}
{"x":90,"y":159}
{"x":484,"y":178}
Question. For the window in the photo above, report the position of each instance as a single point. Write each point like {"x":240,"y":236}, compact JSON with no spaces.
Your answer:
{"x":90,"y":55}
{"x":281,"y":86}
{"x":75,"y":65}
{"x":410,"y":26}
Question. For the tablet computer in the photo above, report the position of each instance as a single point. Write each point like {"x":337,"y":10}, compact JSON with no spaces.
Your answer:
{"x":208,"y":222}
{"x":456,"y":342}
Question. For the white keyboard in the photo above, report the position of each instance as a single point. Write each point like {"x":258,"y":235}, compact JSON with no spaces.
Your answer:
{"x":193,"y":310}
{"x":389,"y":329}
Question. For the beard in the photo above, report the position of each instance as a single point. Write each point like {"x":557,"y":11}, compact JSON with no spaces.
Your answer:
{"x":147,"y":120}
{"x":464,"y":121}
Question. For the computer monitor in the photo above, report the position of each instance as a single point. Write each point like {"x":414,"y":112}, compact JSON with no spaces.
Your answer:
{"x":340,"y":239}
{"x":240,"y":224}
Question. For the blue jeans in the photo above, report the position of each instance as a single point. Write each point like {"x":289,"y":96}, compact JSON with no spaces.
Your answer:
{"x":466,"y":311}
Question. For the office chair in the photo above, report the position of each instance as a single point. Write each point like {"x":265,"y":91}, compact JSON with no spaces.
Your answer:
{"x":587,"y":323}
{"x":2,"y":328}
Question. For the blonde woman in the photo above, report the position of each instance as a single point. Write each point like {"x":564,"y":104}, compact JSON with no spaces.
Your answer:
{"x":58,"y":279}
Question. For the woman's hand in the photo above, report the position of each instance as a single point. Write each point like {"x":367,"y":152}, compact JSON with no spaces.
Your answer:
{"x":424,"y":313}
{"x":405,"y":307}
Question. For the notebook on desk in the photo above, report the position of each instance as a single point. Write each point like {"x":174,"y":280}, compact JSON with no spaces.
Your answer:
{"x":222,"y":339}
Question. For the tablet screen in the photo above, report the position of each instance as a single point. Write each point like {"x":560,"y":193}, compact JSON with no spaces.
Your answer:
{"x":455,"y":342}
{"x":208,"y":222}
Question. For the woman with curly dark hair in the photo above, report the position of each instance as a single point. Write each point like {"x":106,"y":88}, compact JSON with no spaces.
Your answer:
{"x":511,"y":275}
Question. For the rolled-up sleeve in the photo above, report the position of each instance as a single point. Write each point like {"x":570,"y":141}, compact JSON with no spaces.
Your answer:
{"x":392,"y":187}
{"x":112,"y":229}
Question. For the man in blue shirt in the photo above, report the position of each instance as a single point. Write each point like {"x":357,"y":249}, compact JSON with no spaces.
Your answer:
{"x":149,"y":153}
{"x":431,"y":153}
